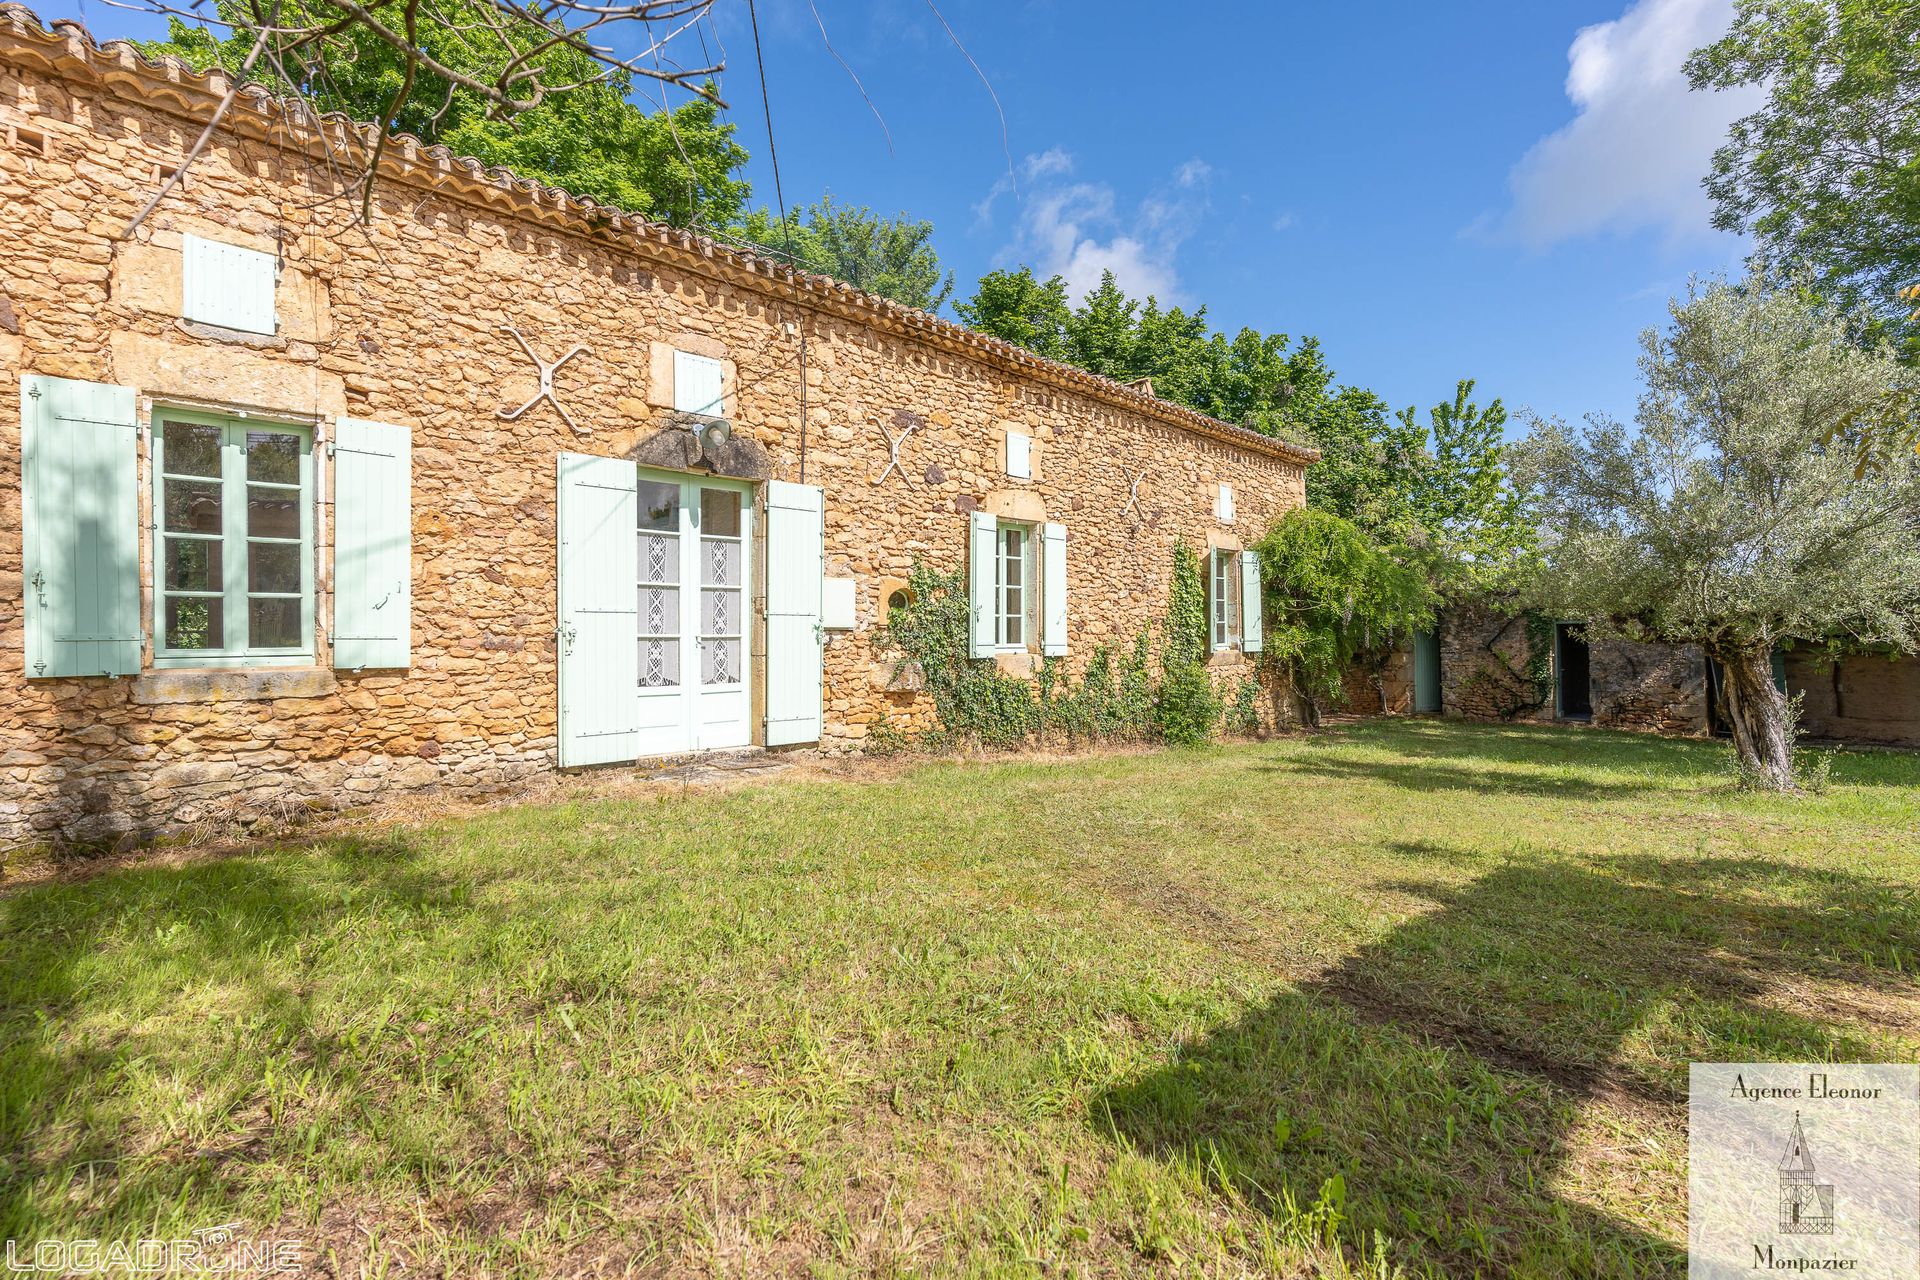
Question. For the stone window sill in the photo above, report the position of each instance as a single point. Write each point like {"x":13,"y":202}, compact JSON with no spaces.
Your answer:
{"x":240,"y":337}
{"x":162,"y":688}
{"x":1018,"y":663}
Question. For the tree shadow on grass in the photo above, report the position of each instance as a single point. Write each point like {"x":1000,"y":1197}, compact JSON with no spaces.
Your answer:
{"x":1431,"y":775}
{"x":99,"y":950}
{"x":1542,"y":744}
{"x":1444,"y":1073}
{"x":1542,"y":748}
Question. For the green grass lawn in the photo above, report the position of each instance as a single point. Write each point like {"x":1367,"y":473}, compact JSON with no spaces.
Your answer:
{"x":1408,"y":995}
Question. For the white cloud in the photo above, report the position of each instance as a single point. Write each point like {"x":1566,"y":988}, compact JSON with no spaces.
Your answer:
{"x":1078,"y":229}
{"x":1640,"y":141}
{"x":1051,"y":161}
{"x":1193,"y":173}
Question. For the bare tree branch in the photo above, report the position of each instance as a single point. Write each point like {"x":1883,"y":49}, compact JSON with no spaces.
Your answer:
{"x":512,"y":56}
{"x":200,"y":144}
{"x":393,"y":110}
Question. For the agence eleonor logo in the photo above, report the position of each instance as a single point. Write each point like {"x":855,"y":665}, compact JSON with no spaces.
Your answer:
{"x":1803,"y":1168}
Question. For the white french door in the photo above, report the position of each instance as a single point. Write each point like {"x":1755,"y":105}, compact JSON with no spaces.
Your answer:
{"x":694,"y":623}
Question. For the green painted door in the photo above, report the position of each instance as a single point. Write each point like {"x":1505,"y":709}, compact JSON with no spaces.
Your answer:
{"x":1426,"y":673}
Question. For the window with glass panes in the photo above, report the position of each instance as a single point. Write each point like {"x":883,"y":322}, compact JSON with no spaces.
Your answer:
{"x":1221,"y":599}
{"x":660,"y":556}
{"x":723,"y":610}
{"x":1014,"y":586}
{"x":233,"y":541}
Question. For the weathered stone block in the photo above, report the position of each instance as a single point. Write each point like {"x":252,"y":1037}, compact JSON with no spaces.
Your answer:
{"x":164,"y":688}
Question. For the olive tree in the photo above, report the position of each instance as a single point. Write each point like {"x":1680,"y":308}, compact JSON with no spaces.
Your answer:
{"x":1733,"y":518}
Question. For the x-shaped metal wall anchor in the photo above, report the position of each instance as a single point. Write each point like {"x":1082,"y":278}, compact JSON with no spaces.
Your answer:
{"x":1133,"y":498}
{"x":894,"y":445}
{"x":546,"y":382}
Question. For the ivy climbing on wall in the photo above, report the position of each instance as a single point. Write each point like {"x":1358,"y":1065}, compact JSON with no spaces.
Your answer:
{"x":1539,"y":664}
{"x":1510,"y":689}
{"x":1188,"y":708}
{"x":1117,"y":698}
{"x":1186,"y":608}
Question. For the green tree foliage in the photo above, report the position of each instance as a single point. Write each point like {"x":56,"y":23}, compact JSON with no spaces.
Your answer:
{"x":1336,"y":599}
{"x":1827,"y":173}
{"x":676,"y":166}
{"x":1367,"y":457}
{"x":1465,"y":511}
{"x":1442,"y":487}
{"x":1728,"y":520}
{"x":1013,"y":305}
{"x":1104,"y":335}
{"x":893,"y":257}
{"x":1248,"y":379}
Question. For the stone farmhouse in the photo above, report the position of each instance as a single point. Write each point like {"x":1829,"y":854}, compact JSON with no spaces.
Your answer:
{"x":296,"y":511}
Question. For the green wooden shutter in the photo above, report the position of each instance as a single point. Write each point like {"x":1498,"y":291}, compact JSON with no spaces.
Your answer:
{"x":599,"y":610}
{"x":1053,"y":589}
{"x":81,"y":511}
{"x":982,"y":532}
{"x":796,"y":572}
{"x":372,"y":545}
{"x":1253,"y":619}
{"x":1219,"y":625}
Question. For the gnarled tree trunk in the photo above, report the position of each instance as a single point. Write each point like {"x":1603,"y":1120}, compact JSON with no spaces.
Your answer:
{"x":1757,"y":716}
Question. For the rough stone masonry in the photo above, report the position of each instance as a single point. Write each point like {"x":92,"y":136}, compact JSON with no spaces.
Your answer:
{"x":402,"y":321}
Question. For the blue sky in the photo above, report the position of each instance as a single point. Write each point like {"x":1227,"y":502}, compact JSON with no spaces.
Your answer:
{"x":1507,"y":191}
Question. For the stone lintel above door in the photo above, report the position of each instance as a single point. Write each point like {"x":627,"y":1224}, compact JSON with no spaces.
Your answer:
{"x":677,"y":447}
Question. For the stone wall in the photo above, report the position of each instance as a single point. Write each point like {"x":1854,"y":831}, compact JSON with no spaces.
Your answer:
{"x":1660,"y":688}
{"x":1487,"y":673}
{"x":1484,"y":671}
{"x":401,"y":321}
{"x":1861,"y":698}
{"x":1386,"y":691}
{"x":1664,"y":688}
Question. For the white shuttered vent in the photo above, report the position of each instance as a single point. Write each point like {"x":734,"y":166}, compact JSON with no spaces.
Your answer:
{"x":1019,"y":456}
{"x":698,"y":385}
{"x":226,"y":285}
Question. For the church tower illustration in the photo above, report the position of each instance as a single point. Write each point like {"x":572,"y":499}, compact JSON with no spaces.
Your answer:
{"x":1806,"y":1206}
